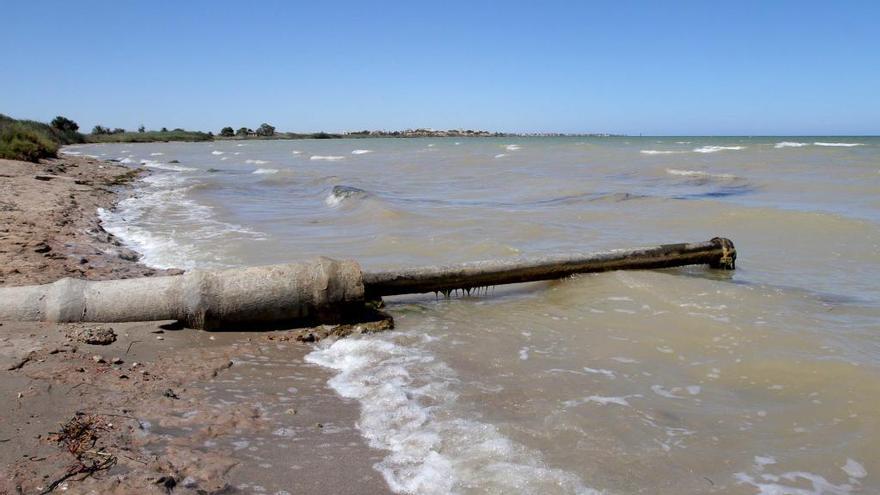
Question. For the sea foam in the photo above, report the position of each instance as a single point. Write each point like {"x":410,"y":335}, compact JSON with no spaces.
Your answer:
{"x":408,"y":409}
{"x":256,"y":162}
{"x":361,"y":152}
{"x":265,"y":171}
{"x":326,"y":157}
{"x":798,"y":482}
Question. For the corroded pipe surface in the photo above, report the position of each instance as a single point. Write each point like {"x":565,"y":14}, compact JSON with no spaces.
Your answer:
{"x":718,"y":253}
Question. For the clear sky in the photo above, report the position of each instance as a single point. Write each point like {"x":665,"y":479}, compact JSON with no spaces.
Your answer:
{"x":745,"y":68}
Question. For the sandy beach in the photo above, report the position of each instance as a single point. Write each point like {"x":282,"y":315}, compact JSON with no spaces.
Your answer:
{"x":149,"y":407}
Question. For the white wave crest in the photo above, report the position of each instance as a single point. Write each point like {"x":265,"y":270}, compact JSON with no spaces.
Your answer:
{"x":839,"y":145}
{"x":265,"y":171}
{"x":408,"y":410}
{"x":333,"y":200}
{"x":361,"y":152}
{"x":296,"y":152}
{"x":790,"y":144}
{"x":217,"y":152}
{"x":500,"y":155}
{"x":166,"y":166}
{"x":156,"y":154}
{"x":256,"y":162}
{"x":512,"y":147}
{"x":715,"y":149}
{"x":330,"y":158}
{"x":659,"y":152}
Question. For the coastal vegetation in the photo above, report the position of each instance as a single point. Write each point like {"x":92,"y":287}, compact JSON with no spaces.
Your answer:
{"x":102,"y":134}
{"x":30,"y":140}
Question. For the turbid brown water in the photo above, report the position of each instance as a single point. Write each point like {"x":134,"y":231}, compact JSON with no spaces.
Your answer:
{"x":764,"y":380}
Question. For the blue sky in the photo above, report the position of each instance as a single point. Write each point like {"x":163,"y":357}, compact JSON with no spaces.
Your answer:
{"x":664,"y":68}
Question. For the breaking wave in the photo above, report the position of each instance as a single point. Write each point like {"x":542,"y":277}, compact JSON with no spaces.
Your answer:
{"x":265,"y":171}
{"x":256,"y":162}
{"x":361,"y":152}
{"x":140,"y":221}
{"x":790,"y":144}
{"x":408,"y":400}
{"x":659,"y":152}
{"x":326,"y":157}
{"x":165,"y":166}
{"x":340,"y":194}
{"x":715,"y":149}
{"x":839,"y":145}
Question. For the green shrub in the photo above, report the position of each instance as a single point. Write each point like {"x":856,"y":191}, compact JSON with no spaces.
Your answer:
{"x":19,"y":142}
{"x":64,"y":124}
{"x":148,"y":136}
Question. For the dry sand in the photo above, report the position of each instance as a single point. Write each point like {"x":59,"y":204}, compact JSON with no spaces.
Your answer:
{"x":146,"y":407}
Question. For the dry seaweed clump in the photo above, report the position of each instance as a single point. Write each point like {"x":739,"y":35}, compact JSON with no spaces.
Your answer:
{"x":80,"y":437}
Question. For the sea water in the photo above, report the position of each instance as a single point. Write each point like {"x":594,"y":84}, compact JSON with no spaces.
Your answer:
{"x":763,"y":380}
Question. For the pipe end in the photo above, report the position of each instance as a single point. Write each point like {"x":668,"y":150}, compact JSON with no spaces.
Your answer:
{"x":727,"y":260}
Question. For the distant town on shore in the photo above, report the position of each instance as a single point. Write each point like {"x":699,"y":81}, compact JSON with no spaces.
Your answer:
{"x":31,"y":140}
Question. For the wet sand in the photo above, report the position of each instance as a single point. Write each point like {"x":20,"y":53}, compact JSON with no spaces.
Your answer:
{"x":144,"y":407}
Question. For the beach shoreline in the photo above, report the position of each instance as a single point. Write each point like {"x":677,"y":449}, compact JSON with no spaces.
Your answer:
{"x":147,"y":407}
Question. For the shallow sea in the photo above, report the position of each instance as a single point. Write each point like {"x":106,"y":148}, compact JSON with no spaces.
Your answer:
{"x":763,"y":380}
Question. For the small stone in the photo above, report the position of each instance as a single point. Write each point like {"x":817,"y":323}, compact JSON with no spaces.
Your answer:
{"x":157,"y":330}
{"x":290,"y":411}
{"x":159,"y":337}
{"x":135,"y":364}
{"x":98,"y":358}
{"x":117,"y":360}
{"x":319,"y":425}
{"x":170,"y":394}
